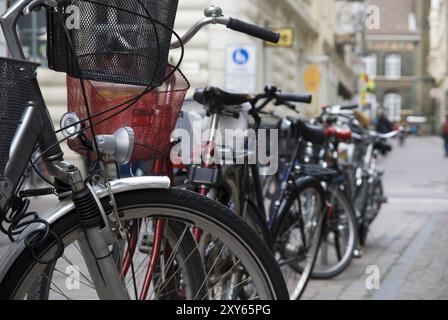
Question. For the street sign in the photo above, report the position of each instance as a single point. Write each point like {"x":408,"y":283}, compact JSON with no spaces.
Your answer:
{"x":286,"y":38}
{"x":312,"y":78}
{"x":241,"y":68}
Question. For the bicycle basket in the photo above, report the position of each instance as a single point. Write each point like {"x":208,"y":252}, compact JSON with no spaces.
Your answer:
{"x":111,"y":40}
{"x":153,"y":118}
{"x":15,"y":93}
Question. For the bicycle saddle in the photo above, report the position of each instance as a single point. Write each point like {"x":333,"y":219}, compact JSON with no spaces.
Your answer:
{"x":217,"y":98}
{"x":311,"y":133}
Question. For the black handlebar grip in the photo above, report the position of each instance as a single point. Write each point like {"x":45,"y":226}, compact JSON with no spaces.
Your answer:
{"x":253,"y":30}
{"x":300,"y":98}
{"x":350,"y":107}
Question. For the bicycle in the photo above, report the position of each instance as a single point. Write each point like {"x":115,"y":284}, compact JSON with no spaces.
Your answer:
{"x":303,"y":147}
{"x":95,"y":214}
{"x":363,"y":182}
{"x":293,"y":230}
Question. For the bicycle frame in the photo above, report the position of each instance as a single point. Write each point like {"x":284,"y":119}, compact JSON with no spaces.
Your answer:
{"x":37,"y":126}
{"x":270,"y":223}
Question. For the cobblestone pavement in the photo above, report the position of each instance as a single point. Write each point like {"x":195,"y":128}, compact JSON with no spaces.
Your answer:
{"x":408,"y":241}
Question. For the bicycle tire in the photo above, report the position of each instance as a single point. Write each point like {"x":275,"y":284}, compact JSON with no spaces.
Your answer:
{"x":347,"y":258}
{"x":307,"y":270}
{"x":364,"y":227}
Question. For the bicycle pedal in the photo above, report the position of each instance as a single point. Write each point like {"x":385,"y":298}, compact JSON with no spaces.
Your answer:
{"x":358,"y":254}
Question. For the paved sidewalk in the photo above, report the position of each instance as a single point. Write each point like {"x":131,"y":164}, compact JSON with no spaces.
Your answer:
{"x":408,"y":242}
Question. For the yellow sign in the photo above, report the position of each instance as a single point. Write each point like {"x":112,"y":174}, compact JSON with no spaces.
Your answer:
{"x":286,"y":38}
{"x":312,"y":78}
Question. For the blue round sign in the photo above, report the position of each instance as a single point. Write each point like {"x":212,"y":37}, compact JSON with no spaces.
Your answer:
{"x":241,"y":56}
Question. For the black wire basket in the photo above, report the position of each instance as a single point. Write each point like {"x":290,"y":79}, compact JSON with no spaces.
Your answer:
{"x":15,"y":93}
{"x":118,"y":41}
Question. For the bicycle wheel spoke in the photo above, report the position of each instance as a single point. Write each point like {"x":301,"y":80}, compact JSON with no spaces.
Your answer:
{"x":223,"y":277}
{"x":138,"y":269}
{"x":82,"y":274}
{"x":210,"y":271}
{"x":176,"y":272}
{"x":68,"y":276}
{"x":59,"y":291}
{"x":236,"y":286}
{"x":180,"y":267}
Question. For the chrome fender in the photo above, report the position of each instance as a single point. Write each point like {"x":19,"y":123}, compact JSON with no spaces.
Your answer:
{"x":67,"y":206}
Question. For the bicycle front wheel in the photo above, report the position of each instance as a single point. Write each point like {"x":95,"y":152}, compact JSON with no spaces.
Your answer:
{"x":235,"y":263}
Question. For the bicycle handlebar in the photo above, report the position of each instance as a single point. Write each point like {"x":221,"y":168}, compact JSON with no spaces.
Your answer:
{"x":272,"y":94}
{"x":292,"y":97}
{"x":214,"y":16}
{"x":253,"y":30}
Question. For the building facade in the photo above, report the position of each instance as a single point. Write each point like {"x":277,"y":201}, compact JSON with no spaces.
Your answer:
{"x":438,"y":57}
{"x":317,"y":60}
{"x":320,"y":60}
{"x":323,"y":58}
{"x":396,"y":57}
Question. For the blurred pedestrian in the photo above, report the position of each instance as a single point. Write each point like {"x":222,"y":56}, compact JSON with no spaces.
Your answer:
{"x":445,"y":135}
{"x":383,"y":124}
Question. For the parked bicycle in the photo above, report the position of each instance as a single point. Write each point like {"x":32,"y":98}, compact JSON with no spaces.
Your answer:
{"x":293,"y":229}
{"x":354,"y":192}
{"x":363,"y":178}
{"x":103,"y":228}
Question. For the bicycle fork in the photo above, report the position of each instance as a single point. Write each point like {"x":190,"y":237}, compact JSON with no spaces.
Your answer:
{"x":95,"y":242}
{"x":97,"y":233}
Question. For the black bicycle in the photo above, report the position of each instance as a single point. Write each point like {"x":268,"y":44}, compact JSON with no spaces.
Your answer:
{"x":293,"y":230}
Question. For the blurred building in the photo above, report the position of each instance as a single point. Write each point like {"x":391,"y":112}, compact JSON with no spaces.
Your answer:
{"x":322,"y":56}
{"x":396,"y":57}
{"x":319,"y":59}
{"x":438,"y":56}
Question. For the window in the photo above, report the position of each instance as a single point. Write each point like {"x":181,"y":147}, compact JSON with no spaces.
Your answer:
{"x":393,"y":66}
{"x":412,"y":22}
{"x":392,"y":106}
{"x":370,"y":64}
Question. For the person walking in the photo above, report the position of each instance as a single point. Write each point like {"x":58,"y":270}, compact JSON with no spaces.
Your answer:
{"x":383,"y":124}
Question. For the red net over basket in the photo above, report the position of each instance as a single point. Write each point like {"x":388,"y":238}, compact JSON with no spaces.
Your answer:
{"x":153,"y":117}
